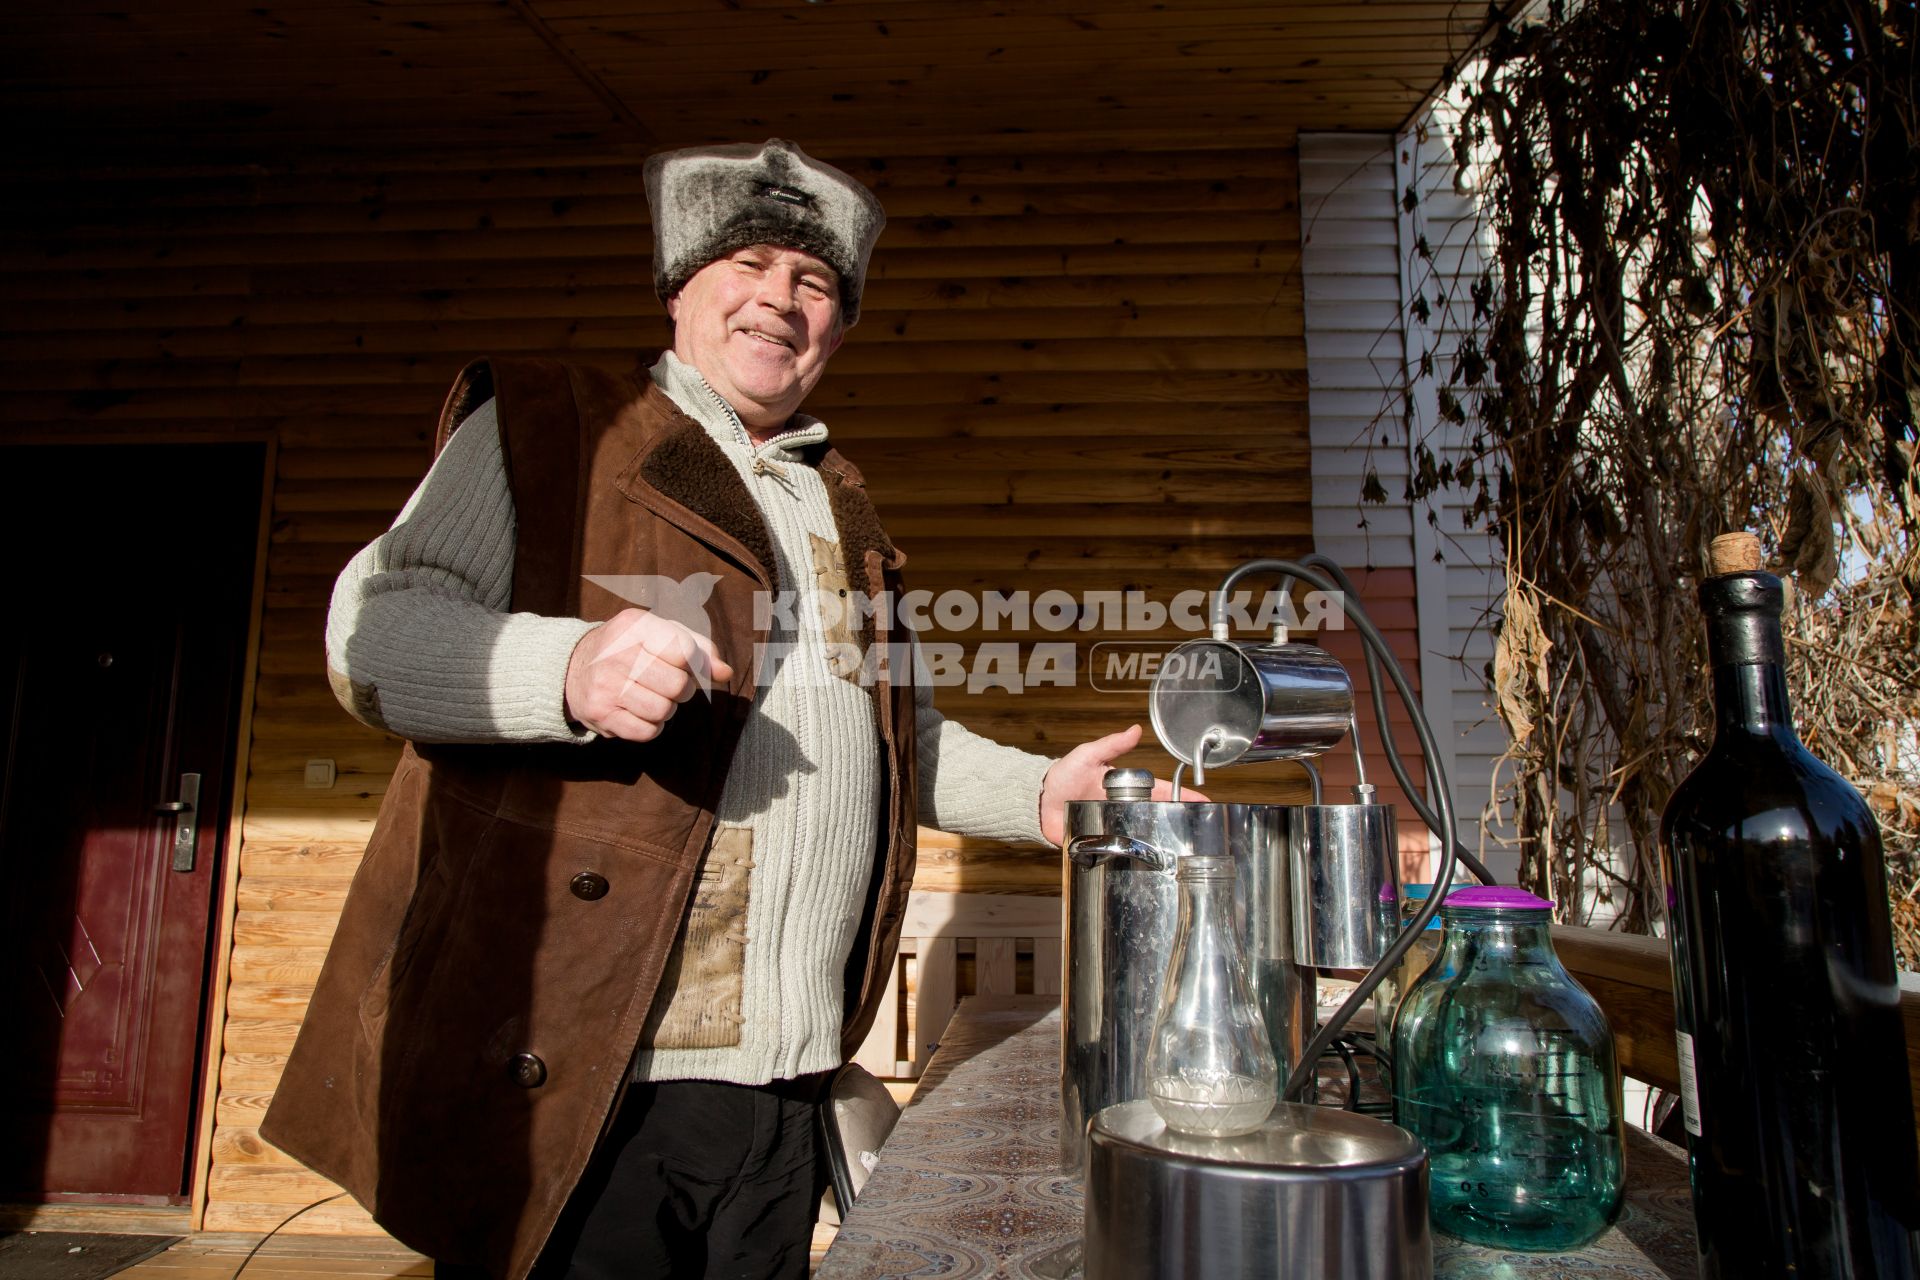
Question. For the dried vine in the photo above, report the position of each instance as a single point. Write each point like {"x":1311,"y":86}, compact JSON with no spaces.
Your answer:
{"x":1699,"y":311}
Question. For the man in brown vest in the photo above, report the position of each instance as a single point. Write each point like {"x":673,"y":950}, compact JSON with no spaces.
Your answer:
{"x":636,"y":886}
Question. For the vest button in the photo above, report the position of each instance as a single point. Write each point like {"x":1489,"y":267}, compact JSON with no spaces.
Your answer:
{"x":589,"y":886}
{"x":527,"y":1071}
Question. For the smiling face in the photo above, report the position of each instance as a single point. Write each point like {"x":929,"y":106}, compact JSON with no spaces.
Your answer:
{"x":759,"y":324}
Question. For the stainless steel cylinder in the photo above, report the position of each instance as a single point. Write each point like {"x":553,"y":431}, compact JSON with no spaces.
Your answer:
{"x":1317,"y":1194}
{"x":1263,"y":907}
{"x":1346,"y":901}
{"x":1252,"y":701}
{"x":1122,"y":910}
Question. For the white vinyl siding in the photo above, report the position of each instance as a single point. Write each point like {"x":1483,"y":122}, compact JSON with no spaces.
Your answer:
{"x":1360,"y":274}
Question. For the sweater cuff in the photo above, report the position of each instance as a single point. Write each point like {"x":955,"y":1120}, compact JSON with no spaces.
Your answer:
{"x":527,"y":676}
{"x":986,"y":790}
{"x":1032,"y":776}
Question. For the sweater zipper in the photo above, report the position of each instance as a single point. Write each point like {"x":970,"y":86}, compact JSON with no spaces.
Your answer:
{"x":782,"y":1047}
{"x":739,"y":427}
{"x":784,"y":1051}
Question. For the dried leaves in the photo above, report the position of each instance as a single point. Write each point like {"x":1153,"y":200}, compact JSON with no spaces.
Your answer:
{"x":1700,"y":311}
{"x":1808,"y":545}
{"x":1520,"y":678}
{"x":1906,"y":931}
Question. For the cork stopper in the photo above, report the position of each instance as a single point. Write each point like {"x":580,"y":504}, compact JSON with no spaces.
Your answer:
{"x":1734,"y":553}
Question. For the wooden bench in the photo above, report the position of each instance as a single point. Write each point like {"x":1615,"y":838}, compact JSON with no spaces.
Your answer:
{"x":1632,"y":978}
{"x":955,"y":945}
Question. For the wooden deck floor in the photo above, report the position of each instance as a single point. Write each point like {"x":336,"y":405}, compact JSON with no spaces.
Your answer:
{"x":216,"y":1256}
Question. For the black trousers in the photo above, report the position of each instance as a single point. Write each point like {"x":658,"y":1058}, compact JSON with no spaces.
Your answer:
{"x":696,"y":1180}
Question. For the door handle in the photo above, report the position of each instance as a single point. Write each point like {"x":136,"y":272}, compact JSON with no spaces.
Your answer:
{"x":186,"y":829}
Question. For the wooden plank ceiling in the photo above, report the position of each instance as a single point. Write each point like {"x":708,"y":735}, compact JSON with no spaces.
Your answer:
{"x":174,"y":81}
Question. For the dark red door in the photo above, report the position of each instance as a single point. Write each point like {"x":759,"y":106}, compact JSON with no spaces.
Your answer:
{"x":129,"y":576}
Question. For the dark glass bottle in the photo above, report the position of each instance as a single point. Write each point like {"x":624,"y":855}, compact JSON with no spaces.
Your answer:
{"x":1792,"y":1054}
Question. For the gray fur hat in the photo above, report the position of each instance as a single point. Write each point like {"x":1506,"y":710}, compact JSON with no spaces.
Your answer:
{"x":708,"y":202}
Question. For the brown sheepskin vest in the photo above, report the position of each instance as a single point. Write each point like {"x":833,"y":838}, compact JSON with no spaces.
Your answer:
{"x":472,"y":1029}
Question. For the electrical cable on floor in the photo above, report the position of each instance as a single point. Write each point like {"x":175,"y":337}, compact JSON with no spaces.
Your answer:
{"x":276,"y":1231}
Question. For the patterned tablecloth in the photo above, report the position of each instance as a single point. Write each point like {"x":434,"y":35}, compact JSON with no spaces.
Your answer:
{"x":970,"y":1184}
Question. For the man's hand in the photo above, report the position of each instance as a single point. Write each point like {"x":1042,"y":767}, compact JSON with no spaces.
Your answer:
{"x":1077,"y":775}
{"x":630,"y":674}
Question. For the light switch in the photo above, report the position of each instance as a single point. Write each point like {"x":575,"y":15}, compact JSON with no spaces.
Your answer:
{"x":320,"y":774}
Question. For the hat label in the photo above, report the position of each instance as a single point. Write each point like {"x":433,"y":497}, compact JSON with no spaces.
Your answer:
{"x":787,"y":195}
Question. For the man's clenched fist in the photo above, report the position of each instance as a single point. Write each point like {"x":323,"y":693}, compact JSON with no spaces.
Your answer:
{"x":630,"y":674}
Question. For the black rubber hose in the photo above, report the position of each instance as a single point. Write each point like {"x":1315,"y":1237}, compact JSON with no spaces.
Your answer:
{"x":1353,"y":1074}
{"x":1376,"y":688}
{"x":1436,"y":776}
{"x":1370,"y":635}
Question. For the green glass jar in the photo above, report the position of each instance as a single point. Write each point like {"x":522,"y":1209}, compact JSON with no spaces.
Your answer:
{"x":1505,"y":1070}
{"x":1386,"y":996}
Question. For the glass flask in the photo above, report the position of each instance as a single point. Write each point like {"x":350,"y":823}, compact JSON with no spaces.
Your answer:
{"x":1211,"y":1071}
{"x":1504,"y":1068}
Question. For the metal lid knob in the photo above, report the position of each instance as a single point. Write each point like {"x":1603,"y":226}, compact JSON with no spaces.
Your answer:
{"x":1128,"y":784}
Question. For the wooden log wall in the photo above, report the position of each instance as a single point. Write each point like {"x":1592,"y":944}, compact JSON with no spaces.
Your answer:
{"x":1077,"y":370}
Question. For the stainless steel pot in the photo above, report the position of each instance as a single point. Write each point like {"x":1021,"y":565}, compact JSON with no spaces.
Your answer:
{"x":1317,"y":1194}
{"x":1122,"y":908}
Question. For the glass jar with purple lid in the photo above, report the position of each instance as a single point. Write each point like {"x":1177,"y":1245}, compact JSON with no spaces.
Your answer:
{"x":1504,"y":1068}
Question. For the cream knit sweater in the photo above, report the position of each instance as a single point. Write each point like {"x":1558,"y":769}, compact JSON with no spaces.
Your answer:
{"x":419,"y":627}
